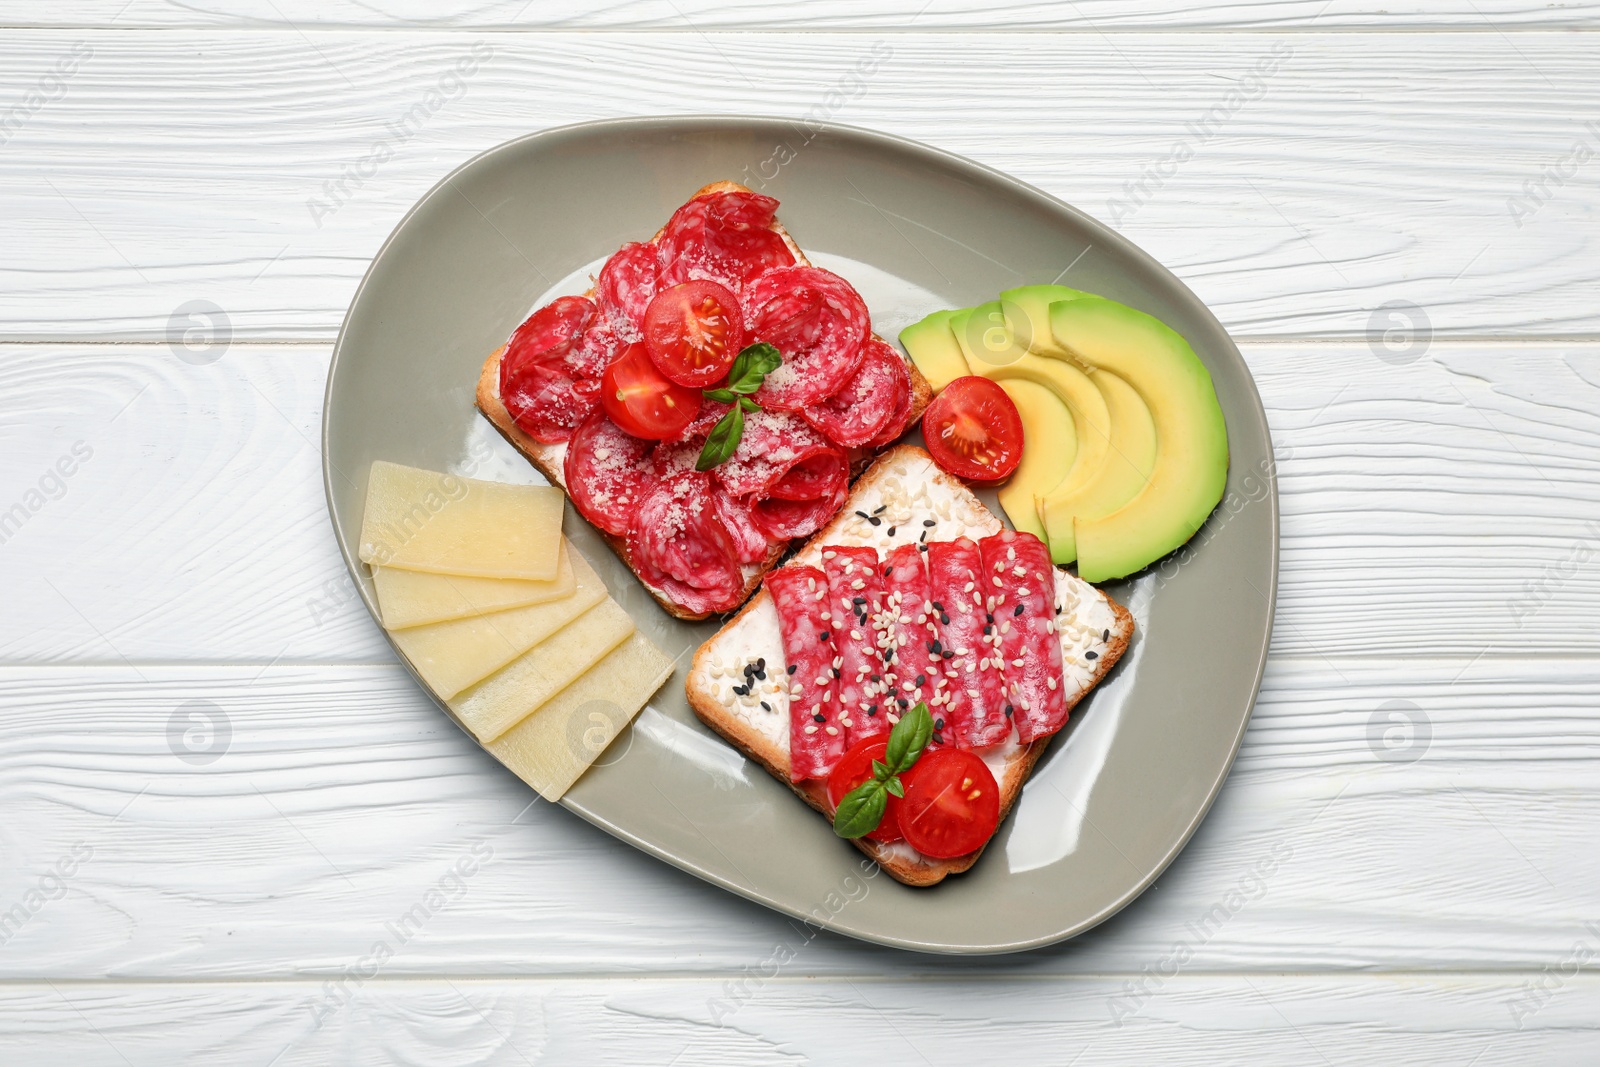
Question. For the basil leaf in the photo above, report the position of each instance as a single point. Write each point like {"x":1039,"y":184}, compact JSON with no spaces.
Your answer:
{"x":751,"y":367}
{"x":721,"y":396}
{"x":723,"y":441}
{"x":893,"y":786}
{"x":861,"y":810}
{"x":748,"y":404}
{"x":908,"y":738}
{"x":879,"y":771}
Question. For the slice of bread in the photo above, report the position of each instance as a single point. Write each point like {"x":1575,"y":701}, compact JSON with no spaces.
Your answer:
{"x":910,"y":490}
{"x":549,"y":459}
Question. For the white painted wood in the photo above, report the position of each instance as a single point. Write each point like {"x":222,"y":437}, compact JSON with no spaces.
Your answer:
{"x":340,"y":795}
{"x":178,"y":166}
{"x":668,"y":16}
{"x":788,"y":1021}
{"x":1437,"y":508}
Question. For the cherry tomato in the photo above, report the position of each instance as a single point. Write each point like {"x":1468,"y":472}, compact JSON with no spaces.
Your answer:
{"x":952,"y":804}
{"x":855,"y":767}
{"x":642,"y":401}
{"x":973,"y":430}
{"x":693,"y":331}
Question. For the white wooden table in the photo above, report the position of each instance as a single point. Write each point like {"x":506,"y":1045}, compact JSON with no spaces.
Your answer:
{"x":1398,"y":216}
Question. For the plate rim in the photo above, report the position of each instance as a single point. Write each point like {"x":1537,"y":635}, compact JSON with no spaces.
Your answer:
{"x":1255,"y":410}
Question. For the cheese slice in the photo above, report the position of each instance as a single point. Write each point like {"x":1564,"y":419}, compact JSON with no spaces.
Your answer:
{"x":551,"y":748}
{"x":453,"y":655}
{"x":520,"y":688}
{"x":417,"y":598}
{"x":421,"y":520}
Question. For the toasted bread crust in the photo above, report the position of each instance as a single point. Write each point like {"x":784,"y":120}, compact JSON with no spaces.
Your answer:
{"x":545,"y":458}
{"x":920,"y":871}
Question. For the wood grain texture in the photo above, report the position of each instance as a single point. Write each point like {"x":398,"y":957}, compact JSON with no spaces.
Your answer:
{"x":1440,"y":508}
{"x":1405,"y":1022}
{"x":340,"y":797}
{"x":1090,"y":16}
{"x":1316,"y":192}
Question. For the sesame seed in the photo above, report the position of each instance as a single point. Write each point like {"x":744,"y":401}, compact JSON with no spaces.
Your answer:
{"x":793,"y":667}
{"x":811,"y":729}
{"x":1106,"y":636}
{"x":1020,"y":609}
{"x":831,"y":731}
{"x":1091,"y":655}
{"x":819,"y":717}
{"x":930,"y":523}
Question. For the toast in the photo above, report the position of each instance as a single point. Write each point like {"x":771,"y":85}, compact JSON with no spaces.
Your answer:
{"x":1095,"y":632}
{"x":548,"y":459}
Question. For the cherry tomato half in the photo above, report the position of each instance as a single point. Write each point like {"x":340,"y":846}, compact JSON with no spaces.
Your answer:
{"x":693,"y":331}
{"x":855,"y":767}
{"x":952,"y":804}
{"x":973,"y":430}
{"x":642,"y":401}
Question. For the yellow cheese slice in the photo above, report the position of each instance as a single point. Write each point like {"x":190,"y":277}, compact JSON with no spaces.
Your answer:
{"x":417,"y":598}
{"x":453,"y":655}
{"x":420,"y":520}
{"x":552,"y":747}
{"x":521,"y":687}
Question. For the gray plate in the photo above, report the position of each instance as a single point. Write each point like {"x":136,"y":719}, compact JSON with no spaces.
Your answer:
{"x":1119,"y":792}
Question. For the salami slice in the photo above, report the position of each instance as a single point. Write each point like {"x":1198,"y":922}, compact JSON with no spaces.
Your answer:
{"x":774,"y":443}
{"x":866,"y":404}
{"x":677,"y":544}
{"x":855,"y":600}
{"x":1021,"y":594}
{"x":726,"y":237}
{"x":608,"y":473}
{"x":971,"y":711}
{"x":782,"y":519}
{"x":599,"y":345}
{"x":819,"y":324}
{"x":911,"y":630}
{"x":627,"y":283}
{"x":748,"y":540}
{"x":900,"y":420}
{"x":549,"y":333}
{"x":816,"y":738}
{"x":545,"y":401}
{"x":711,"y":412}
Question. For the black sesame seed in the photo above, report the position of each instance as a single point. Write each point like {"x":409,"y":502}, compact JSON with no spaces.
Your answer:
{"x":741,"y":690}
{"x":988,"y":629}
{"x":923,"y":536}
{"x":761,"y":663}
{"x":874,"y":520}
{"x":929,"y":523}
{"x":1105,"y":636}
{"x":903,"y":702}
{"x":819,"y":717}
{"x":922,"y":548}
{"x":1091,"y":655}
{"x":891,"y":531}
{"x":938,"y":724}
{"x":888,"y":654}
{"x":1018,"y":611}
{"x":945,"y":619}
{"x":858,"y":600}
{"x":793,"y":667}
{"x":947,"y":654}
{"x":836,"y":672}
{"x":880,"y":509}
{"x":988,"y":616}
{"x":922,"y":679}
{"x":863,"y":514}
{"x":872,"y":711}
{"x":1008,"y":711}
{"x":765,"y":706}
{"x":823,"y":636}
{"x":937,"y":739}
{"x":1058,"y":610}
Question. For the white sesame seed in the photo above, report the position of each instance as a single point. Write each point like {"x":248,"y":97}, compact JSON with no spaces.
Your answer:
{"x":811,"y":729}
{"x":831,"y":731}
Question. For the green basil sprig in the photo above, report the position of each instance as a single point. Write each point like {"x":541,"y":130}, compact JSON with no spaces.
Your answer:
{"x":750,"y":368}
{"x":862,"y":808}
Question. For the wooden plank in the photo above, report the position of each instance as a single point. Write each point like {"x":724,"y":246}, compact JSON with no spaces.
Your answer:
{"x":1295,"y":192}
{"x":1436,"y":508}
{"x":1089,"y":16}
{"x":297,"y":811}
{"x":1262,"y":1019}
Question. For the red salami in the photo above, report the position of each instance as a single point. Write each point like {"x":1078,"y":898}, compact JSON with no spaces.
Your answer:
{"x":546,"y":402}
{"x":598,"y":346}
{"x":726,"y":237}
{"x":909,"y":622}
{"x":819,"y":324}
{"x":971,"y":712}
{"x":711,"y":412}
{"x":816,"y":739}
{"x":608,"y":474}
{"x":779,"y":455}
{"x":782,"y":519}
{"x":865,"y":405}
{"x":900,"y":419}
{"x":678,"y":545}
{"x":1020,"y":593}
{"x":748,"y":540}
{"x":549,"y":333}
{"x":628,"y":281}
{"x":855,"y":600}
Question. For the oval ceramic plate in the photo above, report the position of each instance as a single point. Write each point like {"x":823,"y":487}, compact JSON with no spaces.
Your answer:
{"x":1119,"y":791}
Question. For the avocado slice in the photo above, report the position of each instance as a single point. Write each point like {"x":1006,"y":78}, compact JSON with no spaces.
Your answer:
{"x":1090,"y":419}
{"x":1050,"y":442}
{"x":1191,"y":461}
{"x":985,"y":337}
{"x":1027,"y":311}
{"x":1129,"y":460}
{"x":932,"y":347}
